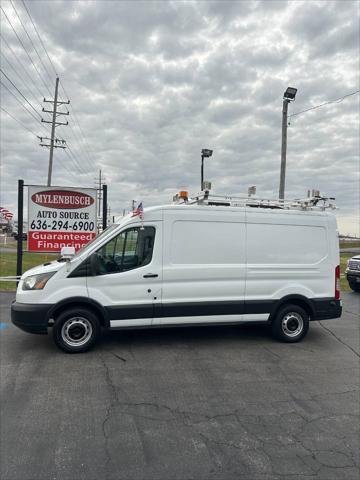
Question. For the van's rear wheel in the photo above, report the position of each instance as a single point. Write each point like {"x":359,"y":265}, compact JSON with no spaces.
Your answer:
{"x":76,"y":330}
{"x":291,"y":324}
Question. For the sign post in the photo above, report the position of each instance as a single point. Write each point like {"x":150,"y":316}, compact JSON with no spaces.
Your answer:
{"x":60,"y":217}
{"x":104,"y":207}
{"x":20,"y":228}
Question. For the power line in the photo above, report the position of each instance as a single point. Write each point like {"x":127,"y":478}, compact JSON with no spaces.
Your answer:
{"x":26,"y":100}
{"x":64,"y":164}
{"x":76,"y":145}
{"x":74,"y":160}
{"x":21,"y":65}
{"x":77,"y":138}
{"x":39,"y":37}
{"x":19,"y":122}
{"x":78,"y":141}
{"x":83,"y":146}
{"x":24,"y":106}
{"x":337,"y":100}
{"x":32,"y":43}
{"x":19,"y":76}
{"x":27,"y":53}
{"x":77,"y":162}
{"x":78,"y":125}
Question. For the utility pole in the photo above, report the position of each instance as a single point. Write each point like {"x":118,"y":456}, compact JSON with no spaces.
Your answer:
{"x":53,"y":141}
{"x":99,"y":186}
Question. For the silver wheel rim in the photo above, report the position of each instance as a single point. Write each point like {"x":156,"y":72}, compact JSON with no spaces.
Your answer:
{"x":292,"y":324}
{"x":76,"y":331}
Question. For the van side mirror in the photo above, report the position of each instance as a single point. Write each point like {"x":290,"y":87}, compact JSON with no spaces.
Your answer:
{"x":67,"y":252}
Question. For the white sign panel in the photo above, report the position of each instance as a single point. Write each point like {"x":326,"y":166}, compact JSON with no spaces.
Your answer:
{"x":60,"y":217}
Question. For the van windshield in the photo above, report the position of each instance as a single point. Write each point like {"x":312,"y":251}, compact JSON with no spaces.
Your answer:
{"x":96,"y":239}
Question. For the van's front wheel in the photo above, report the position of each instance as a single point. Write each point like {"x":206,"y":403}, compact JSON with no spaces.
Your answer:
{"x":76,"y":330}
{"x":291,"y":324}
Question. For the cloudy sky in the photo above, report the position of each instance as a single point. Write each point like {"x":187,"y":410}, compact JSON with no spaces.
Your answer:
{"x":152,"y":83}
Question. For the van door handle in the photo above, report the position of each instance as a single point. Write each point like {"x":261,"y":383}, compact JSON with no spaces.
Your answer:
{"x":151,"y":275}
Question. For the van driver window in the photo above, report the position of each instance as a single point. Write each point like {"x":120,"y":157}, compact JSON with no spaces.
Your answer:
{"x":130,"y":249}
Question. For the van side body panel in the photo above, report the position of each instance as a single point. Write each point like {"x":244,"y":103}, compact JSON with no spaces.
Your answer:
{"x":288,"y":253}
{"x":204,"y":264}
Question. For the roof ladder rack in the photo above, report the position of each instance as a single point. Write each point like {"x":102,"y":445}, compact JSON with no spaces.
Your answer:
{"x":205,"y":198}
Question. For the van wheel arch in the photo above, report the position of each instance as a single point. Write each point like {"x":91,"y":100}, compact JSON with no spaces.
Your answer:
{"x":297,"y":300}
{"x":80,"y":302}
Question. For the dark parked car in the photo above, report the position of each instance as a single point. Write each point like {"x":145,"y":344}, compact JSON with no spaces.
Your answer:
{"x":353,"y":273}
{"x":24,"y":236}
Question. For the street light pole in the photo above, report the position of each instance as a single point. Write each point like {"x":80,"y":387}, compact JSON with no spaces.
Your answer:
{"x":202,"y":172}
{"x":289,"y":96}
{"x":286,"y":102}
{"x":205,"y":153}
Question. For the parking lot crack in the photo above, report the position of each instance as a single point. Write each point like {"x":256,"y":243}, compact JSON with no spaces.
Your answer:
{"x":277,"y":356}
{"x":339,"y":339}
{"x":118,"y":356}
{"x":113,"y":402}
{"x":351,"y":313}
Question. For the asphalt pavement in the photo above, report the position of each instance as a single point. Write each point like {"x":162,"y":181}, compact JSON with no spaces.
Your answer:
{"x":194,"y":403}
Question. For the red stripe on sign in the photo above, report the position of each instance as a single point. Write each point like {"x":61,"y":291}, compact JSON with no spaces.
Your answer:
{"x":54,"y":241}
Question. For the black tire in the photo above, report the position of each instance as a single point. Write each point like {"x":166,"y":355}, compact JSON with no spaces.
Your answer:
{"x":354,"y":286}
{"x":76,"y":330}
{"x":290,"y":324}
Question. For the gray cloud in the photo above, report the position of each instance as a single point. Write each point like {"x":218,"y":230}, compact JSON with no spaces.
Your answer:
{"x":154,"y":82}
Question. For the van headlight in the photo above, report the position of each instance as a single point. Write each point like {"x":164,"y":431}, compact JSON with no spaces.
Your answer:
{"x":36,"y":282}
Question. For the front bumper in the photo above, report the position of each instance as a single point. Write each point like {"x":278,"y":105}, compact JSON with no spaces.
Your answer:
{"x":353,"y":276}
{"x":30,"y":317}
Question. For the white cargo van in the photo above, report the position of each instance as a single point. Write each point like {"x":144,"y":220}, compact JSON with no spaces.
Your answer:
{"x":200,"y":262}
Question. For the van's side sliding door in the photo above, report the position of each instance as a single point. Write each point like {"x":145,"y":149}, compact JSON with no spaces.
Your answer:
{"x":203,"y":267}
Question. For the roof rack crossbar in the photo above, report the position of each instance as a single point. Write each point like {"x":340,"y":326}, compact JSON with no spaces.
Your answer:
{"x":310,"y":203}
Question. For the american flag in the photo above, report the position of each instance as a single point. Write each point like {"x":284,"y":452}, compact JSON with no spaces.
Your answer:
{"x":139,"y":211}
{"x":5,"y":213}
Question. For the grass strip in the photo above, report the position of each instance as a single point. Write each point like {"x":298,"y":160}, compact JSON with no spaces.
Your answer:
{"x":30,"y":260}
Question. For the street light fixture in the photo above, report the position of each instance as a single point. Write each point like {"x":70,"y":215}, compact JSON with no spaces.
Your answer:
{"x":205,"y":153}
{"x":289,"y":96}
{"x":290,"y":93}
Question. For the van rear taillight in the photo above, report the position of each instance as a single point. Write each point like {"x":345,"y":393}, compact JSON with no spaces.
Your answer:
{"x":337,"y":283}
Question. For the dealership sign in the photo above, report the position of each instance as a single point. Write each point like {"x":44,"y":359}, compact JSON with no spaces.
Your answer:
{"x":60,"y":217}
